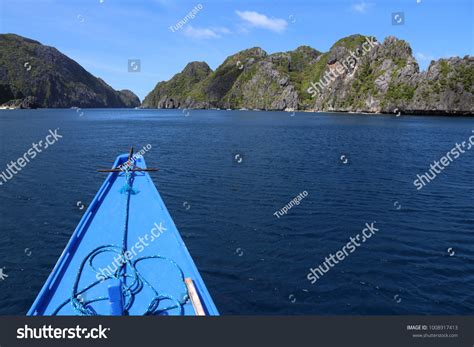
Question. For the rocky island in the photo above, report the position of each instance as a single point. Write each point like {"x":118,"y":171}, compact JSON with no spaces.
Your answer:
{"x":357,"y":74}
{"x":383,"y":79}
{"x":34,"y":75}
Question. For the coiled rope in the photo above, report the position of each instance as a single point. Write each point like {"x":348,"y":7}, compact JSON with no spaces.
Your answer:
{"x":138,"y":281}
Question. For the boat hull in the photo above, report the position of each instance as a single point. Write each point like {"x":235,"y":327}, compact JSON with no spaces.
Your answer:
{"x":138,"y":222}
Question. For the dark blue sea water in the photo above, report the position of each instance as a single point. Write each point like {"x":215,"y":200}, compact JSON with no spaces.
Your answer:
{"x":225,"y":173}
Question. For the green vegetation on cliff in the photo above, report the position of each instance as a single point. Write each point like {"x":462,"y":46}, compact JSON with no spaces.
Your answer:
{"x":30,"y":69}
{"x":382,"y":78}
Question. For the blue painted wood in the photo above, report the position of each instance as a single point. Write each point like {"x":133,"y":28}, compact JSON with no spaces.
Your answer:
{"x":151,"y":231}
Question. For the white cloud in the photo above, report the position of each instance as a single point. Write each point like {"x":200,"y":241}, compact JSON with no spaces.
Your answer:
{"x":259,"y":20}
{"x":221,"y":30}
{"x":205,"y":33}
{"x":361,"y":7}
{"x":163,"y":2}
{"x":424,"y":57}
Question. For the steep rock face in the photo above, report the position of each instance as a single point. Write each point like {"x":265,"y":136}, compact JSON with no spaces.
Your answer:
{"x":9,"y":92}
{"x":250,"y":79}
{"x":175,"y":92}
{"x":203,"y":88}
{"x":391,"y":74}
{"x":379,"y":78}
{"x":264,"y":85}
{"x":28,"y":68}
{"x":214,"y":88}
{"x":128,"y":98}
{"x":29,"y":102}
{"x":387,"y":79}
{"x":446,"y":87}
{"x":357,"y":74}
{"x":276,"y":82}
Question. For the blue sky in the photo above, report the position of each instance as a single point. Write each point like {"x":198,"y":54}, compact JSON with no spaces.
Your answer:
{"x":102,"y":35}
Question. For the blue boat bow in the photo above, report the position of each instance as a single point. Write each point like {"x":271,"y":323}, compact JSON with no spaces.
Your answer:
{"x":126,"y":256}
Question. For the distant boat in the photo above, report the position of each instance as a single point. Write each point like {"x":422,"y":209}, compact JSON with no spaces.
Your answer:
{"x":126,"y":256}
{"x":243,"y":109}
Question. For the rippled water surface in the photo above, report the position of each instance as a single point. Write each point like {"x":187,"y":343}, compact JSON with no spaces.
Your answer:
{"x":225,"y":173}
